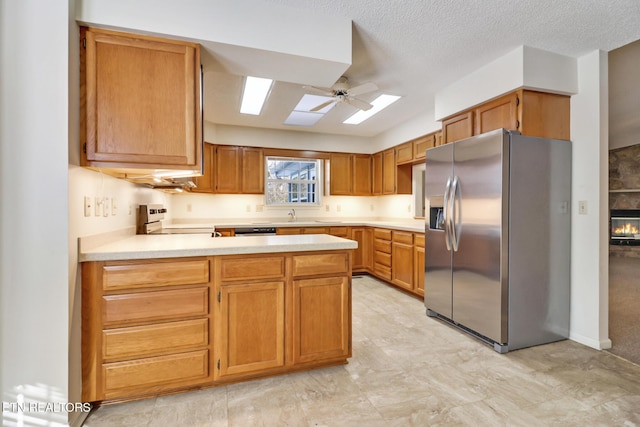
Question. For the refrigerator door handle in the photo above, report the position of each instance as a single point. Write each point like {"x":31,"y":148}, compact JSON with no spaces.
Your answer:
{"x":456,"y":223}
{"x":446,"y":213}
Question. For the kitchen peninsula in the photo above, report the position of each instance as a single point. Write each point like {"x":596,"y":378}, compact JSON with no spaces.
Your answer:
{"x":167,"y":313}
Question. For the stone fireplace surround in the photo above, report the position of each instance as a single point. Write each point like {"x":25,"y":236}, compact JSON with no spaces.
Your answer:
{"x":624,"y":189}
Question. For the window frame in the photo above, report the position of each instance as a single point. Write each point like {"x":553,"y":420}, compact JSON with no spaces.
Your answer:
{"x":318,"y":181}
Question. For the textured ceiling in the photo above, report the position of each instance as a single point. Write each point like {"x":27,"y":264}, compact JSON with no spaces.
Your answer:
{"x":415,"y":48}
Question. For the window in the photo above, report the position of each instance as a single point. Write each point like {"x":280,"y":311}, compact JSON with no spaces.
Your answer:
{"x":294,"y":182}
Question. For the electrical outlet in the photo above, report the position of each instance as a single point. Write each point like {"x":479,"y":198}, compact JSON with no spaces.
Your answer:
{"x":248,"y":208}
{"x":372,"y":208}
{"x":338,"y":208}
{"x":98,"y":206}
{"x":327,"y":208}
{"x":189,"y":207}
{"x":582,"y":207}
{"x":114,"y":207}
{"x":409,"y":208}
{"x":259,"y":208}
{"x":87,"y":206}
{"x":105,"y":206}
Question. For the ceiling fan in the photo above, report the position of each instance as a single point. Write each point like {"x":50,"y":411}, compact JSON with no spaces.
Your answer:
{"x":342,"y":92}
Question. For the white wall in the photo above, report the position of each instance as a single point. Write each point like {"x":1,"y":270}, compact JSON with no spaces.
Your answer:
{"x":34,"y":225}
{"x":589,"y":233}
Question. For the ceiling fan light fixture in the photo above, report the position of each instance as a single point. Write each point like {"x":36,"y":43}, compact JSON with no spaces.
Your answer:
{"x":255,"y":93}
{"x":380,"y":103}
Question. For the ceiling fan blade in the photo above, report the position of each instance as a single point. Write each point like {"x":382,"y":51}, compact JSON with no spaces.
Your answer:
{"x":358,"y":103}
{"x":321,"y":106}
{"x":318,"y":90}
{"x":363,"y":88}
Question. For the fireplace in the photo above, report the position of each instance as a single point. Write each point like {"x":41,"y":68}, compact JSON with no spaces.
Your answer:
{"x":624,"y":227}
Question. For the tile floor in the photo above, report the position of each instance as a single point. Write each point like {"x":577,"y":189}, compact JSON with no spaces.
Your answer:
{"x":411,"y":370}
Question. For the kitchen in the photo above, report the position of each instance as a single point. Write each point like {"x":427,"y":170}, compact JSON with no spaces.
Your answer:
{"x":50,"y":237}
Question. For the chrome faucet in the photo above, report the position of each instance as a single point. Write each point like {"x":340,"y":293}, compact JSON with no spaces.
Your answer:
{"x":292,"y":214}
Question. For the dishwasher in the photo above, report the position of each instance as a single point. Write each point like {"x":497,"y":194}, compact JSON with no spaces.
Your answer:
{"x":255,"y":231}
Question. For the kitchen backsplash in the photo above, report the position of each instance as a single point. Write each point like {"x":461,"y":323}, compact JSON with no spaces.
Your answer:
{"x":227,"y":206}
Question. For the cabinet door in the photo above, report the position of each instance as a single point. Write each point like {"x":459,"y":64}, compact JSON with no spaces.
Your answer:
{"x":251,"y":327}
{"x":402,"y":265}
{"x":205,"y":183}
{"x":376,"y":185}
{"x":252,"y":170}
{"x":321,"y":312}
{"x":142,"y":101}
{"x":421,"y":144}
{"x":363,"y":255}
{"x":389,"y":171}
{"x":496,"y":114}
{"x":457,"y":127}
{"x":404,"y":153}
{"x":341,"y":174}
{"x":227,"y":169}
{"x":362,"y":174}
{"x":418,"y":264}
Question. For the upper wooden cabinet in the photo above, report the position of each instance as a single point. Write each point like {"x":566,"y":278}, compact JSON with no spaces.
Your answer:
{"x":140,"y":100}
{"x":350,"y":174}
{"x":413,"y":151}
{"x":231,"y":170}
{"x":376,"y":185}
{"x":531,"y":113}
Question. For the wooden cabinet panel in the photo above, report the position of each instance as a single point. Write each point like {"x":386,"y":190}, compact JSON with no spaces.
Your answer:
{"x":141,"y":104}
{"x":389,"y":171}
{"x":321,"y":308}
{"x":339,"y":231}
{"x":382,"y":258}
{"x":363,"y":255}
{"x":289,"y":230}
{"x":457,"y":127}
{"x":405,"y":237}
{"x":546,"y":115}
{"x":418,"y":240}
{"x":155,"y":373}
{"x":252,"y":170}
{"x":341,"y":174}
{"x":247,"y":267}
{"x":252,"y":327}
{"x":314,"y":230}
{"x":382,"y":233}
{"x":418,"y":265}
{"x":382,"y":271}
{"x":421,"y":144}
{"x":376,"y":163}
{"x":496,"y":114}
{"x":404,"y":153}
{"x":205,"y":183}
{"x":118,"y":275}
{"x":162,"y":338}
{"x":322,"y":263}
{"x":228,"y":160}
{"x":362,"y":174}
{"x":402,"y":265}
{"x":155,"y":305}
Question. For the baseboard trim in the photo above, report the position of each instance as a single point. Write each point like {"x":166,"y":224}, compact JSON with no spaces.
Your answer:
{"x":603,"y":344}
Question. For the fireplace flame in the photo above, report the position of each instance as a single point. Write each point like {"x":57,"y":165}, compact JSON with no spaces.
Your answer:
{"x":627,"y":228}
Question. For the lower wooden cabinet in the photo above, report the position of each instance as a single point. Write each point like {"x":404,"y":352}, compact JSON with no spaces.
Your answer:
{"x":402,"y":273}
{"x":418,"y":263}
{"x":322,"y":328}
{"x":251,"y":327}
{"x":211,"y":320}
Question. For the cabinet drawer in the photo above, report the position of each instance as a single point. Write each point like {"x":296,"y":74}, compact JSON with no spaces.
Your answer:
{"x":143,"y":341}
{"x":156,"y":305}
{"x":382,"y":258}
{"x":252,"y":268}
{"x":155,"y":373}
{"x":403,"y":237}
{"x":419,"y":240}
{"x":316,"y":264}
{"x":382,"y":246}
{"x":339,"y":231}
{"x":380,"y":233}
{"x":139,"y":275}
{"x":382,"y":271}
{"x":314,"y":230}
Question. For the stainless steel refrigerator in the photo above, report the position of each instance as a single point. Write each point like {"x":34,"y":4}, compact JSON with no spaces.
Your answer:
{"x":498,"y":244}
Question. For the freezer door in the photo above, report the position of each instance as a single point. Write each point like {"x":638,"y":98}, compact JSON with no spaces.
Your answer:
{"x":437,"y":280}
{"x":479,"y":282}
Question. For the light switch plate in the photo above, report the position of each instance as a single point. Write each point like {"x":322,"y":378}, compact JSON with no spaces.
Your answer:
{"x":87,"y":206}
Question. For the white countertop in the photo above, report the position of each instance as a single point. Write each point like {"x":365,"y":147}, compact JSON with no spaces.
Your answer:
{"x":184,"y":245}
